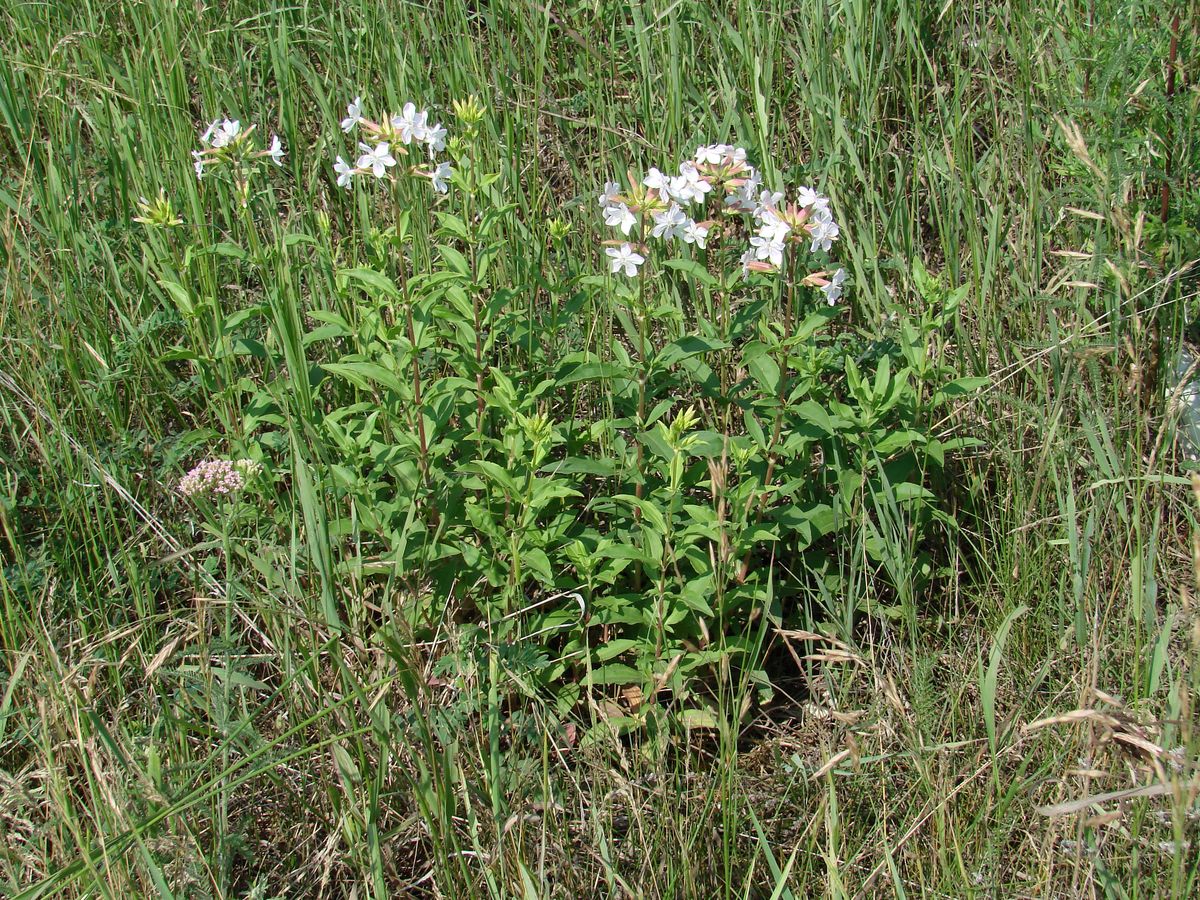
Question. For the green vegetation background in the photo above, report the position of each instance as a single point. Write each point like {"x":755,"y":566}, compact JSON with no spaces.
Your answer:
{"x":1020,"y":150}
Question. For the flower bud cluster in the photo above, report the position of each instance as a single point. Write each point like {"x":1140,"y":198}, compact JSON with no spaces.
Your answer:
{"x":393,"y":136}
{"x":218,"y":477}
{"x":157,"y":213}
{"x":665,"y":207}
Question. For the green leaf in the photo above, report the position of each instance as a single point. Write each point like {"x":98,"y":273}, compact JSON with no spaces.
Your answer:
{"x":455,"y":260}
{"x":346,"y":764}
{"x":650,"y":513}
{"x":988,"y":688}
{"x":580,"y":465}
{"x":762,"y":367}
{"x":362,"y":374}
{"x":590,"y":371}
{"x":231,"y":251}
{"x":689,"y":345}
{"x":374,"y":283}
{"x":537,"y":561}
{"x":614,"y":673}
{"x":179,"y":294}
{"x":494,"y":474}
{"x":812,"y":412}
{"x":693,"y":269}
{"x":897,"y":439}
{"x":615,"y":648}
{"x":754,"y":429}
{"x":453,"y":224}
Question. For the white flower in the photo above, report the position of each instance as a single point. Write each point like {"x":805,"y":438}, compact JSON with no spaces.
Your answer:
{"x":435,"y":137}
{"x":690,"y":185}
{"x":618,"y":216}
{"x":823,"y":235}
{"x":276,"y":151}
{"x":410,"y":123}
{"x":611,"y":189}
{"x":767,"y":200}
{"x":746,"y":196}
{"x":695,"y":233}
{"x":737,"y":154}
{"x":625,"y":258}
{"x":813,"y":200}
{"x":713,"y":154}
{"x":220,"y":134}
{"x":353,"y":115}
{"x":421,"y":125}
{"x":441,"y":177}
{"x":822,"y":214}
{"x":377,"y":158}
{"x":773,"y":228}
{"x":345,"y":174}
{"x":198,"y":164}
{"x":657,"y":181}
{"x":206,"y":137}
{"x":767,"y":249}
{"x":747,"y":258}
{"x":833,"y":290}
{"x":669,"y":223}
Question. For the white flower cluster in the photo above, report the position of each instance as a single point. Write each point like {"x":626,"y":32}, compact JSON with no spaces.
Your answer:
{"x":225,"y":142}
{"x":660,"y":206}
{"x":394,"y":135}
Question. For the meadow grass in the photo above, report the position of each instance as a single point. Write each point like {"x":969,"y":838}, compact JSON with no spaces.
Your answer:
{"x":178,"y":717}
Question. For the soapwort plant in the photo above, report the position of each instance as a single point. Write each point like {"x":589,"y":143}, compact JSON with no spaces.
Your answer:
{"x":636,"y":467}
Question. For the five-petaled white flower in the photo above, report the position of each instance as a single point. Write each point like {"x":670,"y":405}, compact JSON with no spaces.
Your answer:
{"x":773,"y":227}
{"x":669,"y":222}
{"x":695,"y":233}
{"x":625,"y":258}
{"x":441,"y":177}
{"x":767,"y":200}
{"x":823,"y":234}
{"x":767,"y":249}
{"x":618,"y":216}
{"x":657,"y":181}
{"x":690,"y":185}
{"x":833,"y":290}
{"x":609,"y":194}
{"x":411,"y":124}
{"x":276,"y":151}
{"x":221,"y":133}
{"x":377,"y":158}
{"x":345,"y":174}
{"x":713,"y":154}
{"x":435,"y":138}
{"x":353,"y":115}
{"x":813,"y":200}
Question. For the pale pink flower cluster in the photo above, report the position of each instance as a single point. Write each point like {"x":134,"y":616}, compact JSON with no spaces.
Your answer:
{"x":219,"y":477}
{"x":660,"y":205}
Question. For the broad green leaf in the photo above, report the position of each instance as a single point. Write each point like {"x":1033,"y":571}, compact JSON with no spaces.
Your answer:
{"x":374,"y":283}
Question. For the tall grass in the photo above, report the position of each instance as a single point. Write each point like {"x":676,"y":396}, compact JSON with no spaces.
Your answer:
{"x":172,"y":729}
